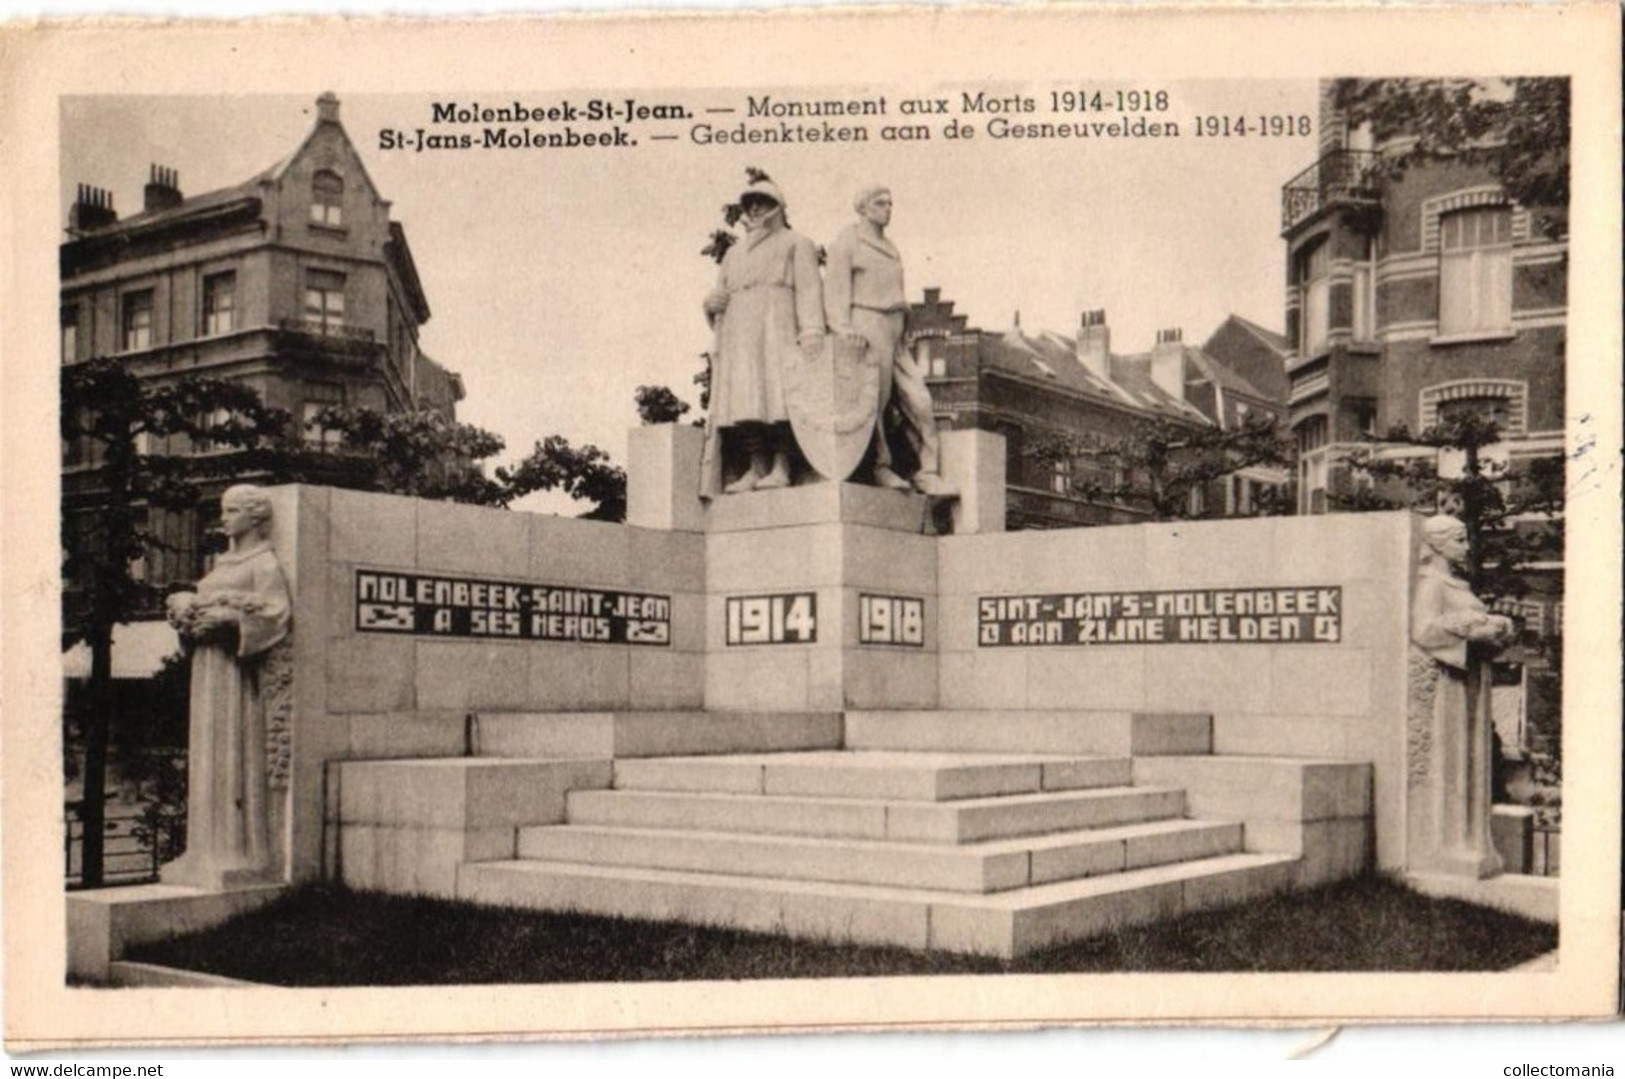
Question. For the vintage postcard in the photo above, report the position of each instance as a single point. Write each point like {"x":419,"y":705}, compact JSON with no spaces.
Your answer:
{"x":602,"y":526}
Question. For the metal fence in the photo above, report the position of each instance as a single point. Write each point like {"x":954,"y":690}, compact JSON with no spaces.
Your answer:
{"x":129,"y":855}
{"x":1548,"y":851}
{"x":144,"y":821}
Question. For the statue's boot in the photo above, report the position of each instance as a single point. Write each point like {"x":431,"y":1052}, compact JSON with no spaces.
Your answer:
{"x":929,"y":483}
{"x":778,"y":475}
{"x":885,"y":477}
{"x":746,"y":482}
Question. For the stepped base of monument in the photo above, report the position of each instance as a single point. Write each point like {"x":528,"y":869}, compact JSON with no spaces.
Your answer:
{"x":993,"y":833}
{"x":1006,"y":924}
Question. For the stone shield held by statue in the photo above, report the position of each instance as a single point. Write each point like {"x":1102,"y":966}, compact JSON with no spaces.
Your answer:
{"x":833,"y":401}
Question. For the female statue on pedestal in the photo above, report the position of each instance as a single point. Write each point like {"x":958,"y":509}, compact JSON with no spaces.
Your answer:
{"x":1452,"y":627}
{"x":239,"y":612}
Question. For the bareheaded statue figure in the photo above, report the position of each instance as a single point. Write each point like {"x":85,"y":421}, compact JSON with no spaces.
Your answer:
{"x":864,"y":301}
{"x":767,"y":304}
{"x":238,"y":614}
{"x":1452,"y":627}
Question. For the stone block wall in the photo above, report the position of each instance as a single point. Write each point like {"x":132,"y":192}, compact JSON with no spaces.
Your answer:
{"x":361,"y":695}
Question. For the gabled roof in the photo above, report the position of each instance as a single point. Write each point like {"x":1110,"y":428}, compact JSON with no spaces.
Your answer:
{"x":1133,"y":373}
{"x":1052,"y":357}
{"x":1229,"y":380}
{"x":193,"y":207}
{"x":1276,"y":341}
{"x":1256,"y":354}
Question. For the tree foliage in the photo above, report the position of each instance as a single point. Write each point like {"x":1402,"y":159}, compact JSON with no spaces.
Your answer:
{"x":658,"y":404}
{"x":1159,"y":462}
{"x":1512,"y":513}
{"x":422,"y":453}
{"x":583,"y":473}
{"x":722,"y":239}
{"x":1518,"y":127}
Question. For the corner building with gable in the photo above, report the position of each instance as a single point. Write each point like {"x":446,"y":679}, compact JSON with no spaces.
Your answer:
{"x":296,"y":282}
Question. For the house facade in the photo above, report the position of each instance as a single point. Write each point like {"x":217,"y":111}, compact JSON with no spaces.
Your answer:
{"x":1416,"y":295}
{"x":296,"y":282}
{"x":1412,"y":296}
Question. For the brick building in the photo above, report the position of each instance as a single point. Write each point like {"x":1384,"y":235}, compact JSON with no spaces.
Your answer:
{"x":1031,"y":387}
{"x":296,"y":282}
{"x":1411,"y":297}
{"x":1414,"y":295}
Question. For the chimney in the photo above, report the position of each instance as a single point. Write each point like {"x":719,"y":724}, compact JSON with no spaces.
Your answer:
{"x":92,"y":209}
{"x":163,"y":190}
{"x":327,"y":108}
{"x":1094,"y":347}
{"x":1168,"y":363}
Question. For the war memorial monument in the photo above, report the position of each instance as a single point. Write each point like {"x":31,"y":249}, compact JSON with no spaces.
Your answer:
{"x":781,"y":700}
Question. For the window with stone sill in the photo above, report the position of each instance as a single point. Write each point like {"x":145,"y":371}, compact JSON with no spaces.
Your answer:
{"x":324,"y":301}
{"x":1060,"y":480}
{"x":318,"y":396}
{"x":1496,"y":410}
{"x":1313,"y":435}
{"x":327,"y":199}
{"x":219,"y":304}
{"x":70,"y":334}
{"x":1313,"y":278}
{"x":1241,"y":496}
{"x":1475,"y":272}
{"x":207,"y":422}
{"x":136,"y":321}
{"x":1365,"y":294}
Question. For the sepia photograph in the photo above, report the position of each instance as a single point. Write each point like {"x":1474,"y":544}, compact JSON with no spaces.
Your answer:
{"x":1084,"y":542}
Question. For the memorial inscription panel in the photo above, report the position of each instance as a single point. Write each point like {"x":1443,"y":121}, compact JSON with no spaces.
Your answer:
{"x":781,"y":618}
{"x":891,"y":620}
{"x":431,"y":606}
{"x":1296,"y":615}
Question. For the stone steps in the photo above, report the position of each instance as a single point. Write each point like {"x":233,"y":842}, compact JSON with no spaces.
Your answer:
{"x":987,"y":852}
{"x":1091,"y":732}
{"x":1003,"y":924}
{"x":961,"y":821}
{"x":875,"y":775}
{"x":989,"y":866}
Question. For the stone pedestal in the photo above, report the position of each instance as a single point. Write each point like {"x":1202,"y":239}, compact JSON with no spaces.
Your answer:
{"x":1450,"y":770}
{"x":1512,"y":828}
{"x":824,"y":597}
{"x":663,"y":478}
{"x":820,"y":598}
{"x":973,"y":462}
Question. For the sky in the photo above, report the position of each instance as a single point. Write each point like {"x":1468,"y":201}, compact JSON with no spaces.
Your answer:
{"x":560,"y":280}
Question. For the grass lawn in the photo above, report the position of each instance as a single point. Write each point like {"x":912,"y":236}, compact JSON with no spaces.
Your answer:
{"x":325,"y":936}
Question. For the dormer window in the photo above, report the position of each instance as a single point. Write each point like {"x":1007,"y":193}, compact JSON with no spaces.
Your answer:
{"x":327,"y":199}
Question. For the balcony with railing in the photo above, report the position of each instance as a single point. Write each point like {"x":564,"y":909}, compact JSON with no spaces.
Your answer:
{"x":1342,"y":177}
{"x":328,"y":328}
